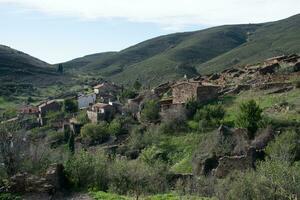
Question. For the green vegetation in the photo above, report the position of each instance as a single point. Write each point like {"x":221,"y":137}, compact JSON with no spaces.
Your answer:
{"x":249,"y":117}
{"x":211,"y":50}
{"x":95,"y":133}
{"x":70,"y":106}
{"x":150,"y":112}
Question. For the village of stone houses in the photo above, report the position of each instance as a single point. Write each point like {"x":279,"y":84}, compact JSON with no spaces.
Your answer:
{"x":228,"y":135}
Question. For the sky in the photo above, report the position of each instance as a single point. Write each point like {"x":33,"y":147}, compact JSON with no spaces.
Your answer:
{"x":60,"y":30}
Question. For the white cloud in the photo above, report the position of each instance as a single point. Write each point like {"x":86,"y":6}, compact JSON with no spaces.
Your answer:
{"x":172,"y":14}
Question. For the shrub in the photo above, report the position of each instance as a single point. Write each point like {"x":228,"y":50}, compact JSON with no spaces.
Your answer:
{"x":272,"y":180}
{"x":128,"y":94}
{"x":191,"y":108}
{"x":56,"y":138}
{"x":85,"y":169}
{"x":115,"y":127}
{"x":150,"y":112}
{"x":82,"y":117}
{"x":95,"y":133}
{"x":9,"y":196}
{"x":285,"y":147}
{"x":249,"y":117}
{"x":70,"y":106}
{"x":135,"y":177}
{"x":107,"y":196}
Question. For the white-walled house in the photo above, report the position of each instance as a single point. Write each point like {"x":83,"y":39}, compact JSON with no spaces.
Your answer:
{"x":84,"y":101}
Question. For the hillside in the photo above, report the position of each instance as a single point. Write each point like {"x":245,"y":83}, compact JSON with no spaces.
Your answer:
{"x":18,"y":67}
{"x":270,"y":39}
{"x":172,"y":56}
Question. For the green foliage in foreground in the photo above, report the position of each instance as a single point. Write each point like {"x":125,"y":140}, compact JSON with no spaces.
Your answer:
{"x":9,"y":196}
{"x":108,"y":196}
{"x":272,"y":180}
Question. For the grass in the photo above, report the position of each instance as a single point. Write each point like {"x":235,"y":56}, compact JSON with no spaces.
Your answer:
{"x":267,"y":102}
{"x":171,"y":196}
{"x":179,"y":150}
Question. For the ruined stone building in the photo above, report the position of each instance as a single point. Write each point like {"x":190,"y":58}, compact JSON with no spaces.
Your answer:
{"x":44,"y":108}
{"x":84,"y":101}
{"x":184,"y":91}
{"x":100,"y":111}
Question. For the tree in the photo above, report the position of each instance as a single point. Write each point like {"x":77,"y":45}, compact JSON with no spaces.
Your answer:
{"x":95,"y":133}
{"x":249,"y":117}
{"x":150,"y":112}
{"x":60,"y":69}
{"x":191,"y":107}
{"x":11,"y":147}
{"x":137,"y":85}
{"x":71,"y":143}
{"x":70,"y":106}
{"x":115,"y":127}
{"x":211,"y":115}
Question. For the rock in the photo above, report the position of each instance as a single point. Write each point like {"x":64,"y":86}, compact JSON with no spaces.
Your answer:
{"x":55,"y":176}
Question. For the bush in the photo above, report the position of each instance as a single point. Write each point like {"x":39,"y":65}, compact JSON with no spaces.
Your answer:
{"x":88,"y":170}
{"x":107,"y":196}
{"x":191,"y":108}
{"x":285,"y":148}
{"x":56,"y":138}
{"x":272,"y":180}
{"x":95,"y":133}
{"x":249,"y":117}
{"x":150,"y":112}
{"x":82,"y":117}
{"x":128,"y":94}
{"x":115,"y":127}
{"x":70,"y":106}
{"x":207,"y":118}
{"x":136,"y":178}
{"x":9,"y":196}
{"x":211,"y":113}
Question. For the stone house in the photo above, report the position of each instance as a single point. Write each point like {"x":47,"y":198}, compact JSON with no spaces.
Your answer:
{"x":100,"y":111}
{"x":84,"y":101}
{"x":162,"y":89}
{"x":106,"y":88}
{"x":28,"y":109}
{"x":184,"y":91}
{"x":48,"y":106}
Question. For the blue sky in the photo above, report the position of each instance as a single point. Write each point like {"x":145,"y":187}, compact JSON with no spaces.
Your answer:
{"x":60,"y":30}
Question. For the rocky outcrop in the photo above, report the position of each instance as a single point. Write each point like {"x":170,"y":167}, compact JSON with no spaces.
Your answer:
{"x":53,"y":180}
{"x":241,"y":154}
{"x":229,"y":164}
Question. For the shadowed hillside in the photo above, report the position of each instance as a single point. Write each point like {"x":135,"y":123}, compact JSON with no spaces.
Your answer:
{"x":18,"y":67}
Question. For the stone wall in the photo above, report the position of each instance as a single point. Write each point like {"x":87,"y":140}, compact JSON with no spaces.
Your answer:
{"x":183,"y":92}
{"x":206,"y":93}
{"x":229,"y":164}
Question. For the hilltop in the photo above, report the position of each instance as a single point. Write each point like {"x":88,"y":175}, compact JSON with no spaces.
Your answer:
{"x":16,"y":66}
{"x":211,"y":50}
